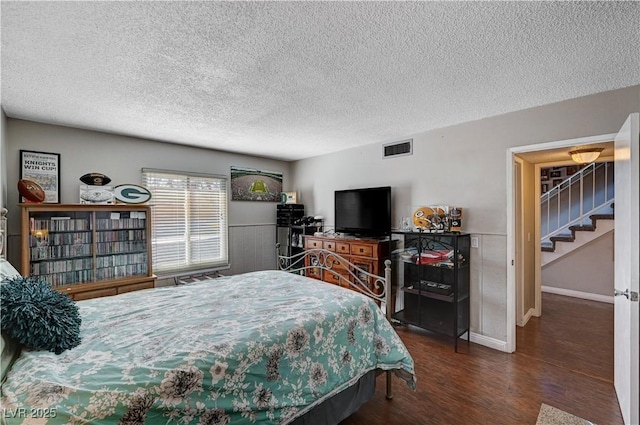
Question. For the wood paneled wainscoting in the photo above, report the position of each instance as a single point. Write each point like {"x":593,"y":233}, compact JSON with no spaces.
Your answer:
{"x":563,"y":359}
{"x":252,"y":247}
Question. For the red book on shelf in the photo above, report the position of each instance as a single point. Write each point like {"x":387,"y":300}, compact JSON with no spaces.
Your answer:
{"x":429,"y":257}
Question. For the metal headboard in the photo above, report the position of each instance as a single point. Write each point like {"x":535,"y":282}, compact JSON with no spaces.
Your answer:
{"x":373,"y":286}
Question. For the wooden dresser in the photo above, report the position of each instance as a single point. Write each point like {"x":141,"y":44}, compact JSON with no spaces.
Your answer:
{"x":368,"y":254}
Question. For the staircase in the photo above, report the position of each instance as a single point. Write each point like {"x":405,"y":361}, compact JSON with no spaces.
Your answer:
{"x":577,"y":211}
{"x":551,"y":247}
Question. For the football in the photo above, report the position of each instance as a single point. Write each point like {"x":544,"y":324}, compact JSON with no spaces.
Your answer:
{"x":30,"y":190}
{"x":95,"y":179}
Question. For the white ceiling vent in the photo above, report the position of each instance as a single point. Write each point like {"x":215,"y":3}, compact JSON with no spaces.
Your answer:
{"x":404,"y":147}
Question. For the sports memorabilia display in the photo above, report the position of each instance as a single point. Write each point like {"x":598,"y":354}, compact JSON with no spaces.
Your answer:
{"x":438,"y":219}
{"x":431,"y":219}
{"x":95,"y":191}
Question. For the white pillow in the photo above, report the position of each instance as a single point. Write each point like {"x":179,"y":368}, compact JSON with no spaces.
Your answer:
{"x":7,"y":270}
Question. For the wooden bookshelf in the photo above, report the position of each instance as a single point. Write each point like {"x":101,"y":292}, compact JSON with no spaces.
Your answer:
{"x":87,"y":251}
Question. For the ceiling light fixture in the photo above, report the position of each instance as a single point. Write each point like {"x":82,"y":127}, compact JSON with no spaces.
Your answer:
{"x":585,"y":156}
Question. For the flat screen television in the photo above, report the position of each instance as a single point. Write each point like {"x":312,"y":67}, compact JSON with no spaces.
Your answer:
{"x":363,"y":212}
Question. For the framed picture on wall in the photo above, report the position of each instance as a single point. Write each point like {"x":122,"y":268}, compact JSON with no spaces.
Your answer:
{"x":545,"y":188}
{"x":249,"y":184}
{"x":572,"y":169}
{"x":44,"y":169}
{"x":544,"y":174}
{"x":556,"y":182}
{"x":555,"y":174}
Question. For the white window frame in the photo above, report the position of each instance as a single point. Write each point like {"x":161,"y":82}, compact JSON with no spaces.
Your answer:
{"x":181,"y":223}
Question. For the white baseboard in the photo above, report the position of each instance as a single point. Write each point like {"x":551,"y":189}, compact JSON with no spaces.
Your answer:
{"x":578,"y":294}
{"x":496,"y":344}
{"x":527,"y":316}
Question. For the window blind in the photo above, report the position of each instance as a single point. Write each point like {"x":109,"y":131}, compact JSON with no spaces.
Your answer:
{"x":189,"y":220}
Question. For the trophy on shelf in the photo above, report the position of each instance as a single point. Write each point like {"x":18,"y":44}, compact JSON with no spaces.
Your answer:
{"x":455,"y":219}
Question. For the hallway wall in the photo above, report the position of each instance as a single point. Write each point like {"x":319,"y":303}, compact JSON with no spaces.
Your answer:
{"x":587,"y":270}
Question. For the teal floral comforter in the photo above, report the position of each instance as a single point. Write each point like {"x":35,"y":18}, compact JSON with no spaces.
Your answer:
{"x":262,"y":347}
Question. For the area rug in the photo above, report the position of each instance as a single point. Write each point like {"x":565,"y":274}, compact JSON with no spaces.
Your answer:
{"x":549,"y":415}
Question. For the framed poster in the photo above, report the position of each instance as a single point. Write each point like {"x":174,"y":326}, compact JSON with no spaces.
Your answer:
{"x":544,"y":174}
{"x":249,"y":184}
{"x":44,"y":169}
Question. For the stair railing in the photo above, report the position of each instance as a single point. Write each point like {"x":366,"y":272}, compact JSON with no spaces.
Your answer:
{"x":571,"y":202}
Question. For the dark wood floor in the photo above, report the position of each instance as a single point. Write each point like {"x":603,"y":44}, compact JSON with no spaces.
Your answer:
{"x":564,"y":359}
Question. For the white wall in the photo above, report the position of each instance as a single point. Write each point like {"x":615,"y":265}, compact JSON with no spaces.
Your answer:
{"x":464,"y":165}
{"x":122,"y":158}
{"x":589,"y":269}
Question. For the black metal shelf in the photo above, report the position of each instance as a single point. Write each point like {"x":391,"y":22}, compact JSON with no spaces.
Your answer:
{"x":425,"y":293}
{"x":436,"y":293}
{"x":415,"y":319}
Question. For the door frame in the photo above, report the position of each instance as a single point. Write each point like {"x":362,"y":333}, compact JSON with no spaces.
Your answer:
{"x":518,"y":165}
{"x":512,"y":270}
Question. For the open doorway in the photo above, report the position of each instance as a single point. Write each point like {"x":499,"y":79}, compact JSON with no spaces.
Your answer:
{"x":575,"y":332}
{"x":524,"y":277}
{"x":625,"y":257}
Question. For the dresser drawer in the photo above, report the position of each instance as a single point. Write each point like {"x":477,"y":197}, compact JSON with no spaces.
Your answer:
{"x":313,"y":272}
{"x":340,"y":278}
{"x":338,"y":268}
{"x":343,"y":248}
{"x":312,"y":243}
{"x":330,"y":277}
{"x":329,"y":245}
{"x":361,"y":249}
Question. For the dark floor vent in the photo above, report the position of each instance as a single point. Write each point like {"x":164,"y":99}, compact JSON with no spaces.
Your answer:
{"x":405,"y":147}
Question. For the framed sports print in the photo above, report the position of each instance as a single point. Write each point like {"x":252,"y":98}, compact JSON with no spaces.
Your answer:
{"x":249,"y":184}
{"x":44,"y":169}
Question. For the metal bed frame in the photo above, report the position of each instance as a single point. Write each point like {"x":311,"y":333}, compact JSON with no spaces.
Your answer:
{"x":352,"y":276}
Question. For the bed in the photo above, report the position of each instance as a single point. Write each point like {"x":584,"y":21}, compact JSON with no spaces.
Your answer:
{"x":262,"y":347}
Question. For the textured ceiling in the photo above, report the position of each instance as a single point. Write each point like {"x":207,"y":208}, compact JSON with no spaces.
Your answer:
{"x":291,"y":80}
